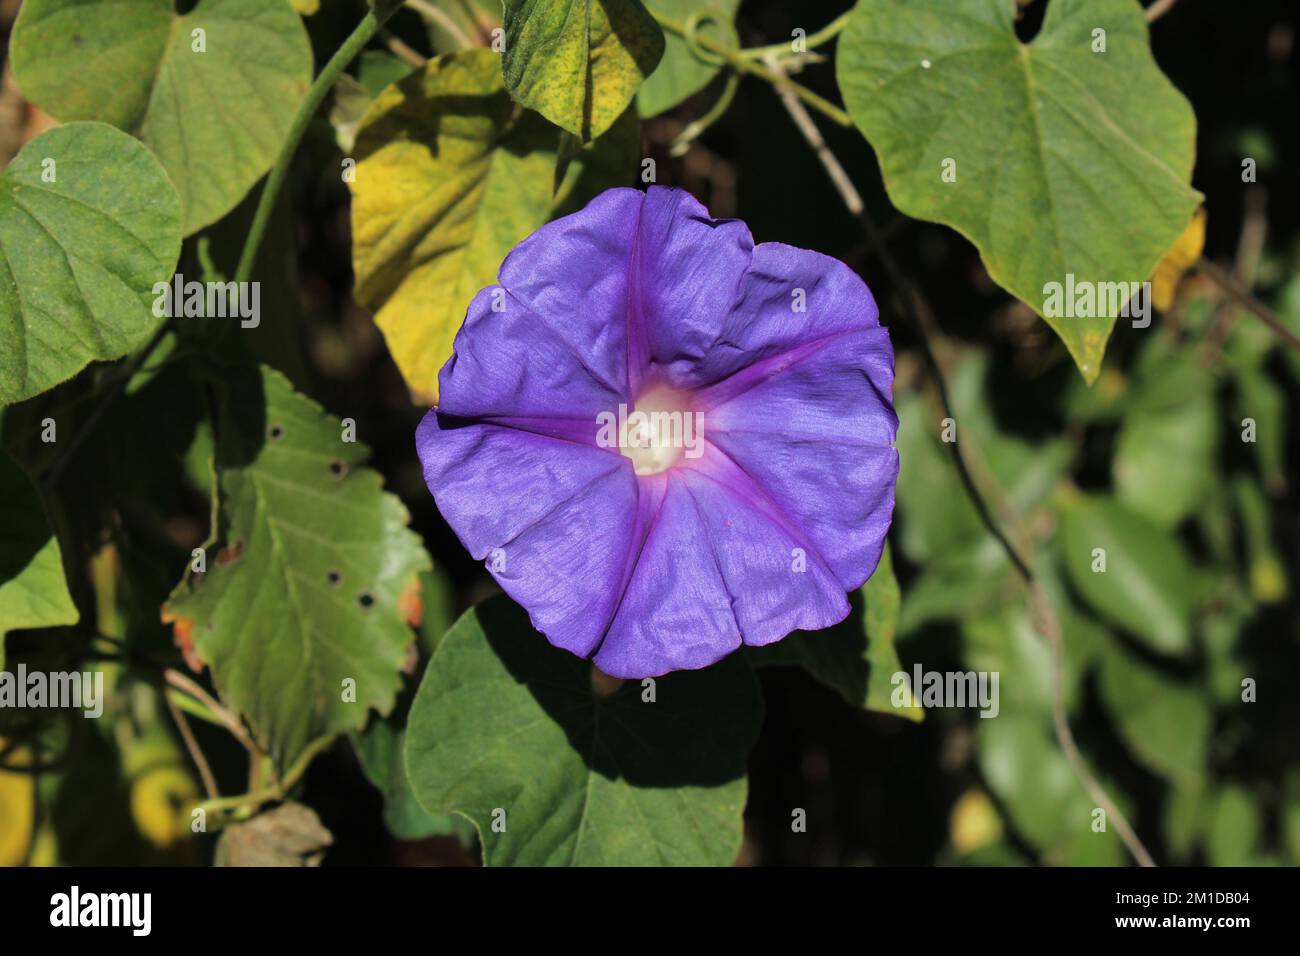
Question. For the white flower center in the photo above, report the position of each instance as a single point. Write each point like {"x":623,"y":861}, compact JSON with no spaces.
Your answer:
{"x":659,"y":430}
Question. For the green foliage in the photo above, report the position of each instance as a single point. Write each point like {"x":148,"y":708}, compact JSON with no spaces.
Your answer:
{"x":684,"y":71}
{"x":1132,"y":571}
{"x":33,"y":590}
{"x":590,"y":777}
{"x":381,"y":752}
{"x":1163,"y":721}
{"x":579,"y":62}
{"x":303,"y":601}
{"x":1052,"y":143}
{"x":856,"y":657}
{"x":214,"y":106}
{"x":88,"y":224}
{"x":1024,"y":766}
{"x":1150,"y":496}
{"x":1167,"y":444}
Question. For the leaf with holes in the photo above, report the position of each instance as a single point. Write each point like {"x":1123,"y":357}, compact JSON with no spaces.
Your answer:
{"x":88,"y":224}
{"x":212,"y":92}
{"x":450,"y":176}
{"x":301,"y":605}
{"x":33,"y":589}
{"x":1065,"y":160}
{"x":557,"y":768}
{"x":579,"y":62}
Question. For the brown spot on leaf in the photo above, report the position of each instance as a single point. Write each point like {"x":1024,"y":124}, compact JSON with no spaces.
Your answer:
{"x":230,"y":554}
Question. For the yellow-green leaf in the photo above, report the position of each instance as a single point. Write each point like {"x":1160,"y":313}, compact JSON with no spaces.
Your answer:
{"x":450,"y":176}
{"x":579,"y":62}
{"x":1065,"y":160}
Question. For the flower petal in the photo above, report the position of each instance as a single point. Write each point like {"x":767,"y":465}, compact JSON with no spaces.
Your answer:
{"x":790,"y":300}
{"x":687,"y":272}
{"x":572,"y":274}
{"x":816,"y":435}
{"x":509,"y":363}
{"x":776,"y":578}
{"x":553,"y":518}
{"x":676,"y":612}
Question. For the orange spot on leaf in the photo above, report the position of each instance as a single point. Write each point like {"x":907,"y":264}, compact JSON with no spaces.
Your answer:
{"x":411,"y":603}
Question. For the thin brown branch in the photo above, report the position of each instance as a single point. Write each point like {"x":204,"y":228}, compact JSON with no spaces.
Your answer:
{"x":192,"y":745}
{"x":1222,"y":278}
{"x":908,"y":299}
{"x":1049,"y":626}
{"x":182,"y":683}
{"x":813,"y":135}
{"x":1250,"y":248}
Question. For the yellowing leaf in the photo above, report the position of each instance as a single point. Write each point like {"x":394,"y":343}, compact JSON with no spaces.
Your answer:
{"x":450,"y":176}
{"x":974,"y":821}
{"x":579,"y":62}
{"x":17,"y":812}
{"x":161,"y":802}
{"x":1181,"y":257}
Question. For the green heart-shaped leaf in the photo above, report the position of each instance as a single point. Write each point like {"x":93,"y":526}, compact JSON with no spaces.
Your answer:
{"x":515,"y":734}
{"x":212,"y":92}
{"x":311,"y":586}
{"x":88,"y":224}
{"x":1065,"y":157}
{"x":579,"y":62}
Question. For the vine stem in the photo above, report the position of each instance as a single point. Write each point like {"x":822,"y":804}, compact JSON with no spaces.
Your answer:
{"x":248,"y":802}
{"x":741,"y":61}
{"x":1043,"y":614}
{"x":364,"y":32}
{"x":813,"y":40}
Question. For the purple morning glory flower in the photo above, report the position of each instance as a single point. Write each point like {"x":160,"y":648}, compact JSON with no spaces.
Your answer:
{"x":664,"y":440}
